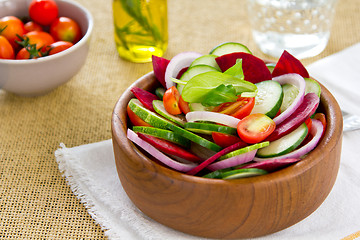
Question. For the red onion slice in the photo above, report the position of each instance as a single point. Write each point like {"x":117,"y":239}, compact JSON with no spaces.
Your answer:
{"x":176,"y":64}
{"x":181,"y":167}
{"x":298,"y":81}
{"x":233,"y":161}
{"x":316,"y":131}
{"x":212,"y":117}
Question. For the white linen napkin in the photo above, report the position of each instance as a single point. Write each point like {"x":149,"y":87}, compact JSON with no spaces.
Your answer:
{"x":91,"y":173}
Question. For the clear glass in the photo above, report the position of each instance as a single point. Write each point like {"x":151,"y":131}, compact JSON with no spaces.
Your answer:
{"x":302,"y":27}
{"x":141,"y":28}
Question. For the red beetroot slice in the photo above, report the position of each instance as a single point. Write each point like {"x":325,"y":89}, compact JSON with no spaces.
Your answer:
{"x":159,"y":67}
{"x":211,"y":159}
{"x":182,"y":71}
{"x":271,"y":165}
{"x":303,"y":112}
{"x":145,"y":97}
{"x":287,"y":63}
{"x":169,"y":148}
{"x":254,"y":68}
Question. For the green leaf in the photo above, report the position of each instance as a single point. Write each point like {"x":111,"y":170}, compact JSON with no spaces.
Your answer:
{"x":200,"y":85}
{"x":220,"y":95}
{"x":236,"y":70}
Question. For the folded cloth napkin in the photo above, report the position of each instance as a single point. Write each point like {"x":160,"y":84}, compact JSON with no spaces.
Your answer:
{"x":91,"y":173}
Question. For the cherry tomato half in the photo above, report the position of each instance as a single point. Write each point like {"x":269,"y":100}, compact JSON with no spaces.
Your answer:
{"x":239,"y":109}
{"x":10,"y":27}
{"x":184,"y":106}
{"x":43,"y":12}
{"x":65,"y":29}
{"x":255,"y":128}
{"x":225,"y":140}
{"x":171,"y":101}
{"x":6,"y":50}
{"x":134,"y":119}
{"x":59,"y":46}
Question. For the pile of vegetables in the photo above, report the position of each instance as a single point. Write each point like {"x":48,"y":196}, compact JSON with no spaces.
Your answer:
{"x":227,"y":114}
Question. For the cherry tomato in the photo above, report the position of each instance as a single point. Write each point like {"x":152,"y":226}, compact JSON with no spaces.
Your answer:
{"x":65,"y":29}
{"x":41,"y":39}
{"x":308,"y":123}
{"x":255,"y":128}
{"x":134,"y":119}
{"x":59,"y":46}
{"x":171,"y":101}
{"x":239,"y":109}
{"x":6,"y":50}
{"x":32,"y":26}
{"x":225,"y":140}
{"x":10,"y":27}
{"x":43,"y":12}
{"x":23,"y":54}
{"x":184,"y":106}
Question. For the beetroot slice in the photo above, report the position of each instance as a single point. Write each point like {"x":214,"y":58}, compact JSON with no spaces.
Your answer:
{"x":254,"y":68}
{"x":182,"y":71}
{"x":303,"y":112}
{"x":287,"y":63}
{"x":169,"y":148}
{"x":271,"y":165}
{"x":159,"y":67}
{"x":145,"y":97}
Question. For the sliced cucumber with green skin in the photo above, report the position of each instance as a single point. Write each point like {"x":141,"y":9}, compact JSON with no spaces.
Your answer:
{"x":159,"y":92}
{"x":195,"y":138}
{"x":268,"y":98}
{"x":285,"y":144}
{"x":209,"y":128}
{"x":199,"y":107}
{"x":160,"y":109}
{"x":236,"y":173}
{"x":270,"y":66}
{"x":206,"y":60}
{"x":244,"y":150}
{"x":312,"y":86}
{"x":229,"y":47}
{"x":290,"y":93}
{"x":193,"y":71}
{"x":148,"y":116}
{"x":163,"y":134}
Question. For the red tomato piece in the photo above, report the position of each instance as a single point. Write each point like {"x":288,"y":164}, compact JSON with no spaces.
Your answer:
{"x":65,"y":29}
{"x":43,"y":12}
{"x":184,"y":106}
{"x":239,"y":109}
{"x":6,"y":50}
{"x":134,"y":119}
{"x":59,"y":46}
{"x":10,"y":27}
{"x":171,"y":101}
{"x":255,"y":128}
{"x":225,"y":140}
{"x":32,"y":26}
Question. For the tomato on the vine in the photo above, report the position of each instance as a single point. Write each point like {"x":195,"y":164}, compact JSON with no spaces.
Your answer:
{"x":65,"y":29}
{"x":171,"y":101}
{"x":59,"y":46}
{"x":10,"y":27}
{"x":6,"y":50}
{"x":43,"y":12}
{"x":41,"y":39}
{"x":239,"y":109}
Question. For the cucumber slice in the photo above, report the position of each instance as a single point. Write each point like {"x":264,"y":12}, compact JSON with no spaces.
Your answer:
{"x":193,"y":71}
{"x":229,"y":47}
{"x":159,"y":92}
{"x":163,"y":134}
{"x":312,"y":86}
{"x":244,"y":150}
{"x":268,"y":98}
{"x":208,"y":60}
{"x":195,"y":138}
{"x":290,"y":93}
{"x":160,"y":109}
{"x":208,"y":128}
{"x":235,"y":173}
{"x":270,"y":66}
{"x":148,"y":116}
{"x":199,"y":107}
{"x":285,"y":144}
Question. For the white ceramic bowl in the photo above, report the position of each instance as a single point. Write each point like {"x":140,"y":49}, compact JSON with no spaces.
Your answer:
{"x":35,"y":77}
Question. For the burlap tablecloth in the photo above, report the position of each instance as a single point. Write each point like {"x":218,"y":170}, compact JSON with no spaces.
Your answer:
{"x":35,"y":201}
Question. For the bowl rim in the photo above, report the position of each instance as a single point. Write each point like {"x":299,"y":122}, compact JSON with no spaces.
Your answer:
{"x":332,"y":135}
{"x":80,"y":43}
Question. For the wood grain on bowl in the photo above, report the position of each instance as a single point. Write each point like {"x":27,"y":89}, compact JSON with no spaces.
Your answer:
{"x":228,"y":209}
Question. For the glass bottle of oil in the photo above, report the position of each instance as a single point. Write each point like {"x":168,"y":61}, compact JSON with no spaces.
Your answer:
{"x":141,"y":28}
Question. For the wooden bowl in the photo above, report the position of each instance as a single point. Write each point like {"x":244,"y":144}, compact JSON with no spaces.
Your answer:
{"x":228,"y":209}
